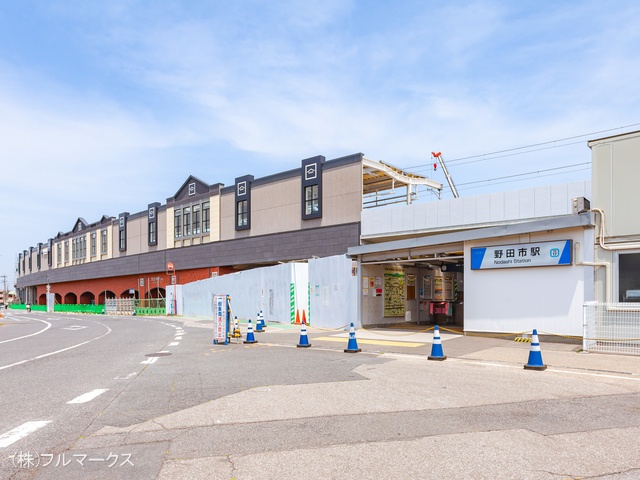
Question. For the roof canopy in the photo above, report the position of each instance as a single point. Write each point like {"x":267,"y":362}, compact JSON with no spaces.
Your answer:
{"x":378,"y":176}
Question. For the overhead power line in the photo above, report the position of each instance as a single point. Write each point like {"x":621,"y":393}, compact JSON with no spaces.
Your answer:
{"x":521,"y":179}
{"x":551,"y":142}
{"x":528,"y":173}
{"x":561,"y":142}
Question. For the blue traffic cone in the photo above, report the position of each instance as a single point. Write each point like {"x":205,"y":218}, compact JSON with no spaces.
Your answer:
{"x":261,"y":320}
{"x":259,"y":324}
{"x":535,"y":356}
{"x":250,"y":337}
{"x":352,"y":346}
{"x":304,"y":339}
{"x":436,"y":347}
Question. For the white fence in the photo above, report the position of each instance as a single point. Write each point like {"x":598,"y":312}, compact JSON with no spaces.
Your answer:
{"x":611,"y":327}
{"x":119,"y":306}
{"x":323,"y":292}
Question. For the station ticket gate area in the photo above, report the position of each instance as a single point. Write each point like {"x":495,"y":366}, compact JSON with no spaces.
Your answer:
{"x":411,"y":291}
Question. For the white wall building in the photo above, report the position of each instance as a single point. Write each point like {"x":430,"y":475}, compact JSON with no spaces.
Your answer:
{"x":417,"y":265}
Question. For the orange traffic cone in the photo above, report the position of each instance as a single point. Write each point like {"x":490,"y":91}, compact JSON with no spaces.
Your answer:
{"x":304,"y":317}
{"x":297,"y":317}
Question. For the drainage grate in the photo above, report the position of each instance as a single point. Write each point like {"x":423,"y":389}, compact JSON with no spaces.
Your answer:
{"x":159,"y":354}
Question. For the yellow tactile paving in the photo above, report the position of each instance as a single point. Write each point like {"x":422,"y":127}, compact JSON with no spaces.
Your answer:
{"x":387,"y":343}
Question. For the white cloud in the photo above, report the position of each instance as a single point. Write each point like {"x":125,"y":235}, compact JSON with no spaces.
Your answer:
{"x":284,"y":81}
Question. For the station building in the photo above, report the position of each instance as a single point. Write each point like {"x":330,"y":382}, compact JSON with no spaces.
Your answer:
{"x":511,"y":261}
{"x":500,"y":262}
{"x":205,"y":230}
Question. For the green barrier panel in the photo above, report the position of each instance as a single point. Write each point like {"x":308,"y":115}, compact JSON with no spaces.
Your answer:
{"x":59,"y":307}
{"x":93,"y":309}
{"x":37,"y":308}
{"x":150,"y":311}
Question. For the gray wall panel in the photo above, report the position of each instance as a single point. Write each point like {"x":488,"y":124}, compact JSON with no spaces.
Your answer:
{"x":321,"y":242}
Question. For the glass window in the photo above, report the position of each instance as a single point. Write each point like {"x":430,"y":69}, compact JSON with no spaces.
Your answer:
{"x":186,"y":227}
{"x":629,"y":277}
{"x":66,"y":251}
{"x":205,"y":217}
{"x":152,"y":233}
{"x":59,"y":258}
{"x":177,"y":223}
{"x":94,"y":243}
{"x":123,"y":240}
{"x":196,"y":219}
{"x":243,"y":217}
{"x":311,"y":202}
{"x":103,"y":247}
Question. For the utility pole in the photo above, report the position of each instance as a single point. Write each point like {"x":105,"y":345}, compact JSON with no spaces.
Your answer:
{"x":4,"y":292}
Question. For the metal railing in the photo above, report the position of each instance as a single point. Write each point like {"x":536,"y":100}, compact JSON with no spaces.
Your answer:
{"x":129,"y":306}
{"x":611,"y":327}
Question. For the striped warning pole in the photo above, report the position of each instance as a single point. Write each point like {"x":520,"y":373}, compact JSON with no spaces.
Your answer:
{"x":292,"y":299}
{"x":309,"y":303}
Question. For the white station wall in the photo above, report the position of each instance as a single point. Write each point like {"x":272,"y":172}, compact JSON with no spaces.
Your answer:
{"x":333,"y":287}
{"x":325,"y":290}
{"x":549,"y":299}
{"x":267,"y":289}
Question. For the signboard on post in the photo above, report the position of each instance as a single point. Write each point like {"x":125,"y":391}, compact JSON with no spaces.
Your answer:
{"x":220,"y":320}
{"x":543,"y":254}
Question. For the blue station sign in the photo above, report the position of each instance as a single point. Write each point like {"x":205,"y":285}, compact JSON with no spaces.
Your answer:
{"x":543,"y":254}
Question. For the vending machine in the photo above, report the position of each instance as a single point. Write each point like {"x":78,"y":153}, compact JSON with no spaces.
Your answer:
{"x":437,"y":294}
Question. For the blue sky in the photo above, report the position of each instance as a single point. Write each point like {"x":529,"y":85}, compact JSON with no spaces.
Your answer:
{"x":108,"y":106}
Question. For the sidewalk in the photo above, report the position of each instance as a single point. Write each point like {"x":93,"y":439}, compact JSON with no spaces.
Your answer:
{"x":479,"y":414}
{"x":558,"y":354}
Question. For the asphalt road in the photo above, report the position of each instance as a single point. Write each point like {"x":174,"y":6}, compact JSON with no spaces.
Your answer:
{"x":271,"y":410}
{"x":101,"y":364}
{"x":60,"y":373}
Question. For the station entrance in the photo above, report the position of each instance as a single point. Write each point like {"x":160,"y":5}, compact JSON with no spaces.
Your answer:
{"x":409,"y":287}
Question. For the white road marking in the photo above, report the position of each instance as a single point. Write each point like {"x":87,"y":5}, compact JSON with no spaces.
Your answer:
{"x":127,"y":377}
{"x":22,"y":431}
{"x":87,"y":397}
{"x":150,"y":361}
{"x":173,"y":344}
{"x":57,"y":351}
{"x":178,"y":338}
{"x":31,"y":334}
{"x":75,"y":327}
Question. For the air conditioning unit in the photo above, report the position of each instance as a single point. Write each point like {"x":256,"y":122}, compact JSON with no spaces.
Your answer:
{"x":580,"y":205}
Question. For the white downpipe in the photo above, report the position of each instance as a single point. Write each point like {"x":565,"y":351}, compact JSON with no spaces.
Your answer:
{"x":619,"y":246}
{"x":608,"y":279}
{"x":606,"y":265}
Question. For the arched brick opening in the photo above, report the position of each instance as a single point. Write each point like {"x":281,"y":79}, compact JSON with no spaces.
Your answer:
{"x":42,"y":299}
{"x":110,"y":295}
{"x":87,"y":298}
{"x":128,"y":294}
{"x":70,"y":299}
{"x":156,"y":293}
